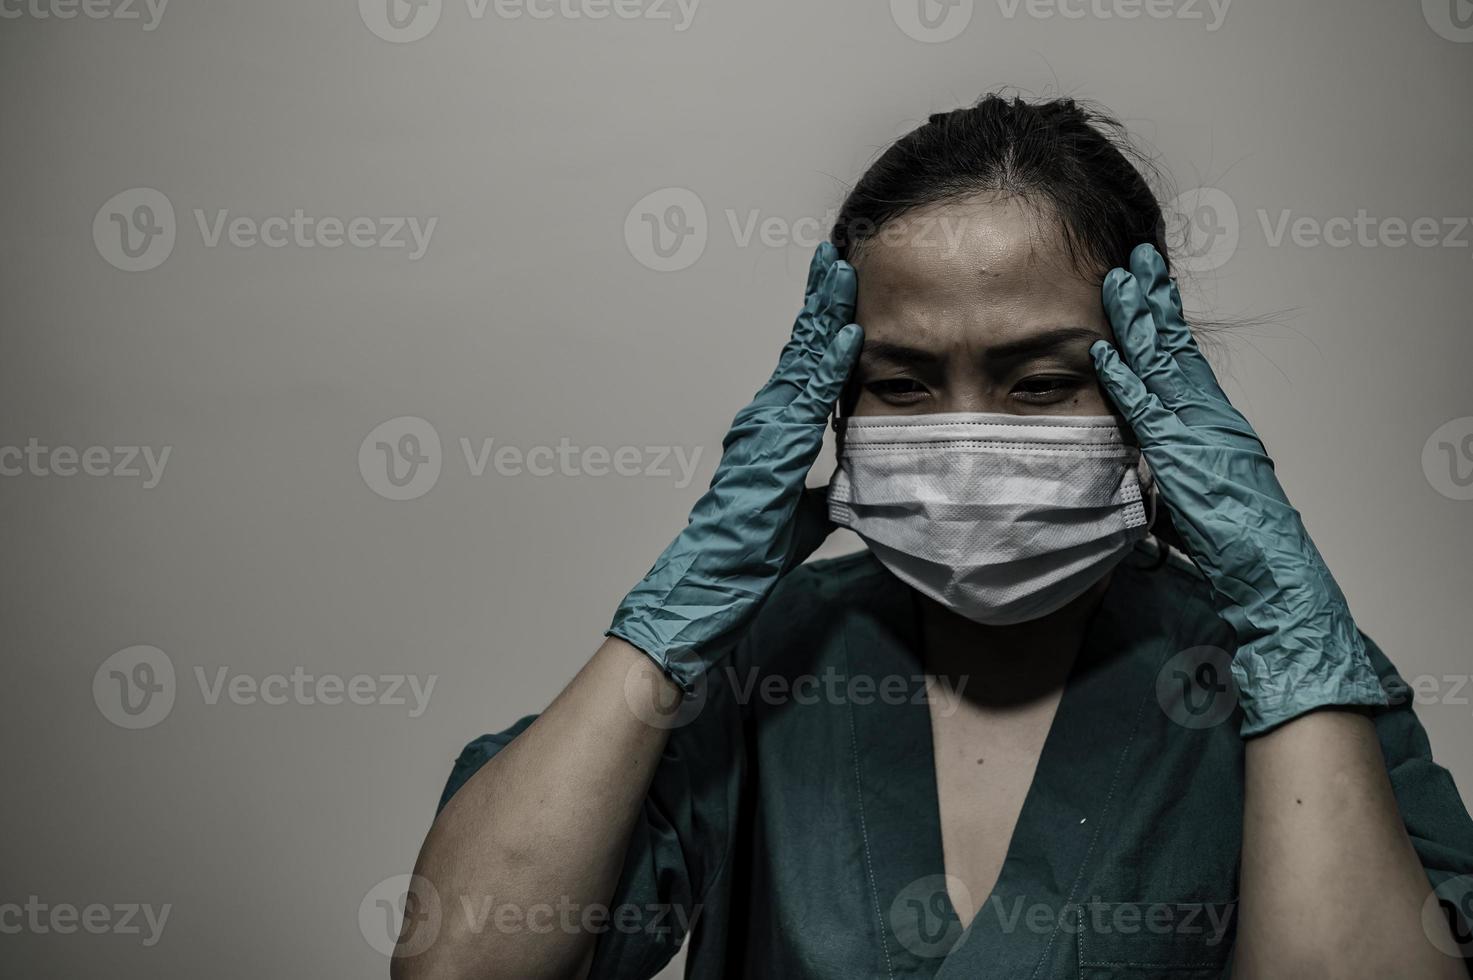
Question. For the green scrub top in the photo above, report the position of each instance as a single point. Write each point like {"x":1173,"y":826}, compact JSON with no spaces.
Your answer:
{"x":792,"y":829}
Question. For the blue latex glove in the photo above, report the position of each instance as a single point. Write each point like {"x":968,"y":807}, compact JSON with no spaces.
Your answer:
{"x":756,"y":521}
{"x":1298,"y":648}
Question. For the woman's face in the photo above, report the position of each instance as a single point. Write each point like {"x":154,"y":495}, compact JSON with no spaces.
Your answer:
{"x":974,"y":306}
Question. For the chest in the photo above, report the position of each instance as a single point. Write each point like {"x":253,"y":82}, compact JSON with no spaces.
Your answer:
{"x":872,"y":819}
{"x":985,"y":761}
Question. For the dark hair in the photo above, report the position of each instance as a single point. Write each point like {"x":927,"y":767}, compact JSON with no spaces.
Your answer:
{"x":1071,"y":160}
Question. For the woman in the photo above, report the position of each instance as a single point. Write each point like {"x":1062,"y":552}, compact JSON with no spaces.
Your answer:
{"x":998,"y":742}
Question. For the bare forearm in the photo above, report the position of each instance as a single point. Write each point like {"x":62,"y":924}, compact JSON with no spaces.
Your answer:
{"x":545,"y":823}
{"x":1331,"y":886}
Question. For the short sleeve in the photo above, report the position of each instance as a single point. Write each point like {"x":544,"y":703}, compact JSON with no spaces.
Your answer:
{"x":477,"y":754}
{"x":1431,"y":808}
{"x":674,"y":877}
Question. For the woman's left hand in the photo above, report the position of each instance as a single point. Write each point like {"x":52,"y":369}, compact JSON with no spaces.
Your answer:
{"x":1298,"y":648}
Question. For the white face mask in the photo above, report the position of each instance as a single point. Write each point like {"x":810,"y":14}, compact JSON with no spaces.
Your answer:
{"x":1001,"y":518}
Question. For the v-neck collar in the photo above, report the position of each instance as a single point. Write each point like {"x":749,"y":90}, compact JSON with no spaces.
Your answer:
{"x":1073,"y":797}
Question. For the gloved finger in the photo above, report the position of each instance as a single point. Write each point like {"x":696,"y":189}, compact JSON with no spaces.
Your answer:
{"x":1135,"y":333}
{"x":839,"y":301}
{"x":827,"y":381}
{"x":805,"y":343}
{"x":811,"y":330}
{"x":823,"y":257}
{"x":834,"y":304}
{"x":811,"y":526}
{"x":1151,"y":421}
{"x":1164,"y":299}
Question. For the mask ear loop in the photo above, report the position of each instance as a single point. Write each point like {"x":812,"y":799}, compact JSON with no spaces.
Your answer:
{"x":840,"y":417}
{"x":1148,"y":482}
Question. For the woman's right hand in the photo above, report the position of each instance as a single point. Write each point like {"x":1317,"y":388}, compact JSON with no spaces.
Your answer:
{"x":756,"y":521}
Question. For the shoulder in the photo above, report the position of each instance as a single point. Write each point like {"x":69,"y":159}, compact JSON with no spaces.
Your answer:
{"x":834,"y":588}
{"x":812,"y":604}
{"x":856,"y":573}
{"x":1164,"y":576}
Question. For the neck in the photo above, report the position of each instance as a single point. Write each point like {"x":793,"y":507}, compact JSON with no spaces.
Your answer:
{"x":1007,"y":665}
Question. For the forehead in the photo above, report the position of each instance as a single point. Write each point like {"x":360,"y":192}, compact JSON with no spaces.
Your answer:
{"x":991,"y":263}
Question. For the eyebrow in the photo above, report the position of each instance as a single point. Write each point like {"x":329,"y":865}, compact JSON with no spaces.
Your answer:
{"x":898,"y":354}
{"x":1043,"y":342}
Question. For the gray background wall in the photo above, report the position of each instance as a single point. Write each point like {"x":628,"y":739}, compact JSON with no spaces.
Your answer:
{"x":532,"y":317}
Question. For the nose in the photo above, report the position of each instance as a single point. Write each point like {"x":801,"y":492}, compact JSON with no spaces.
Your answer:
{"x":969,"y":389}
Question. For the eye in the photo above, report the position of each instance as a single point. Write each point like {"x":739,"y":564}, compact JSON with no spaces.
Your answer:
{"x":897,"y":391}
{"x":1045,"y":389}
